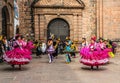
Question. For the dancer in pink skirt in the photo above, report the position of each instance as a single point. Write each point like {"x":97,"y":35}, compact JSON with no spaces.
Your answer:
{"x":93,"y":55}
{"x":20,"y":55}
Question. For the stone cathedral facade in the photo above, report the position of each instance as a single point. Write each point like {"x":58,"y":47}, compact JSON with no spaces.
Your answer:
{"x":75,"y":18}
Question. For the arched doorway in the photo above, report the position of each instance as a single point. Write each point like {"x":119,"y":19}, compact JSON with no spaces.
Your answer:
{"x":5,"y":22}
{"x":59,"y":27}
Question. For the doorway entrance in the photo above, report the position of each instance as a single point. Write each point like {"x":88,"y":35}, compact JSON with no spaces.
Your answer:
{"x":59,"y":27}
{"x":5,"y":22}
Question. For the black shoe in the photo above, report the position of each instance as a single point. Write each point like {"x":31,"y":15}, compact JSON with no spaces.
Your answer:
{"x":13,"y":66}
{"x":97,"y":67}
{"x":91,"y":67}
{"x":20,"y":67}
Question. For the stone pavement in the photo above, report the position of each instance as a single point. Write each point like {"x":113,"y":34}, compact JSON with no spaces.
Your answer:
{"x":40,"y":71}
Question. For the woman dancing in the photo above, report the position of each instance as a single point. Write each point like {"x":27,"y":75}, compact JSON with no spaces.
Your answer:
{"x":50,"y":50}
{"x":19,"y":55}
{"x":92,"y":55}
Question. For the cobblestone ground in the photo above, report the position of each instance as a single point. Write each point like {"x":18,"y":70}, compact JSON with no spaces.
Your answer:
{"x":40,"y":71}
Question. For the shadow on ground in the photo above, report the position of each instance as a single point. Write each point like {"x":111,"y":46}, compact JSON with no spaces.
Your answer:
{"x":94,"y":69}
{"x":4,"y":67}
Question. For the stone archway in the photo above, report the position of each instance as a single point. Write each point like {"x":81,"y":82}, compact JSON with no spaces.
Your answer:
{"x":45,"y":10}
{"x":5,"y":22}
{"x":59,"y":27}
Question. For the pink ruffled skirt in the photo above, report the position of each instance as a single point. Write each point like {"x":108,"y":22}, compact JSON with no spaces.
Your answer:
{"x":17,"y":56}
{"x":93,"y":58}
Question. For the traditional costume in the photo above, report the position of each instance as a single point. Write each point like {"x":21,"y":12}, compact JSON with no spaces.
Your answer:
{"x":43,"y":47}
{"x":55,"y":44}
{"x":67,"y":55}
{"x":68,"y":51}
{"x":38,"y":50}
{"x":50,"y":50}
{"x":73,"y":49}
{"x":20,"y":55}
{"x":93,"y":55}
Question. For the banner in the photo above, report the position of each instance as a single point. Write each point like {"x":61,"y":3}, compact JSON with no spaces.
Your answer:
{"x":16,"y":16}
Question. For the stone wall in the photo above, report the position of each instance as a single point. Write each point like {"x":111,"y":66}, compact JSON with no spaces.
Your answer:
{"x":89,"y":19}
{"x":25,"y":18}
{"x":84,"y":23}
{"x":10,"y":24}
{"x":108,"y":21}
{"x":111,"y":19}
{"x":1,"y":2}
{"x":44,"y":16}
{"x":100,"y":17}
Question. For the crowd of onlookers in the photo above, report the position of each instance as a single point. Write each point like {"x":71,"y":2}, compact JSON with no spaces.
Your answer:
{"x":4,"y":45}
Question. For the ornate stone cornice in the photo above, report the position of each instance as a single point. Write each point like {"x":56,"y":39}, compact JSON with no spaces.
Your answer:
{"x":59,"y":4}
{"x":82,"y":3}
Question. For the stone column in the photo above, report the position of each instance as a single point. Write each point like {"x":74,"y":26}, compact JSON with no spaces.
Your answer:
{"x":36,"y":20}
{"x":0,"y":17}
{"x":42,"y":27}
{"x":75,"y":25}
{"x":71,"y":26}
{"x":100,"y":18}
{"x":80,"y":27}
